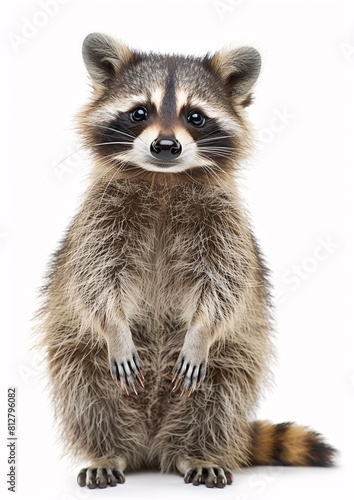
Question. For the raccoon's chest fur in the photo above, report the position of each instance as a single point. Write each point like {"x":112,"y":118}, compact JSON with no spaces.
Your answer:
{"x":158,"y":250}
{"x":162,"y":244}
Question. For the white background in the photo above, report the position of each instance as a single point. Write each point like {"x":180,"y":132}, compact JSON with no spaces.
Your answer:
{"x":295,"y":188}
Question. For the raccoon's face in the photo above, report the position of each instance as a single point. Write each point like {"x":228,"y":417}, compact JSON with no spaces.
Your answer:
{"x":167,"y":113}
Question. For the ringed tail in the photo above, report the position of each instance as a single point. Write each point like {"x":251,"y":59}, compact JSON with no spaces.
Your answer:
{"x":289,"y":444}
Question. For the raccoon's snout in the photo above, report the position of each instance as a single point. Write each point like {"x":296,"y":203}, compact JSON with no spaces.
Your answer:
{"x":166,"y":148}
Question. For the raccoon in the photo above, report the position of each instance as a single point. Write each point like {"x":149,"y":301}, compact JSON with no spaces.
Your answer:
{"x":156,"y":318}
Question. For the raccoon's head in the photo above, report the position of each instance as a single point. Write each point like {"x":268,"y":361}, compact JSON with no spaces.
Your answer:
{"x":169,"y":114}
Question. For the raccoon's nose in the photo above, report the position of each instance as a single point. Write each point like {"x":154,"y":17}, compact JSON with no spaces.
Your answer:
{"x":166,"y":148}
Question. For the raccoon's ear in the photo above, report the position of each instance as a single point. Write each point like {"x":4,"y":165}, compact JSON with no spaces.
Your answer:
{"x":239,"y":70}
{"x":104,"y":57}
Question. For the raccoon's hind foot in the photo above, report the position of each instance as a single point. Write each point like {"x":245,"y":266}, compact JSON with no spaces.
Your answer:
{"x":100,"y":477}
{"x":212,"y":477}
{"x":198,"y":473}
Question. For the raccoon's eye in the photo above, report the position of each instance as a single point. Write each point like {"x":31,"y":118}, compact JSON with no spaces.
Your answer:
{"x":139,"y":114}
{"x":195,"y":118}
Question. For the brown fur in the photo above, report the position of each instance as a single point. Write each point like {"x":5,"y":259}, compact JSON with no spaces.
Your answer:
{"x":170,"y":258}
{"x":289,"y":444}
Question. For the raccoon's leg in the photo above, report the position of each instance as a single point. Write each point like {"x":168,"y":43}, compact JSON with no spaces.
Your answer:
{"x":206,"y":435}
{"x":206,"y":317}
{"x":109,"y":430}
{"x":102,"y":427}
{"x":190,"y":369}
{"x":124,"y":361}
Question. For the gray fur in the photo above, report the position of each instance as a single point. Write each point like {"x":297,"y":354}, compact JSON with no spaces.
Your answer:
{"x":158,"y":273}
{"x":103,"y":56}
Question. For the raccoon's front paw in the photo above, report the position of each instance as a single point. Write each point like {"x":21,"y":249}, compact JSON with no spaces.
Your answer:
{"x":189,"y":372}
{"x":100,"y":477}
{"x":126,"y":371}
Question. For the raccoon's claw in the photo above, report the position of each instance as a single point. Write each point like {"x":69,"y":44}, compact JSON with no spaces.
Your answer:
{"x":188,"y":376}
{"x":100,"y":477}
{"x":212,"y":477}
{"x":126,"y":373}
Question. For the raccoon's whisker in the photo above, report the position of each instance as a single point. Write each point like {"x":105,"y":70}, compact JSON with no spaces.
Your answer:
{"x":221,"y":148}
{"x":206,"y":139}
{"x":126,"y":165}
{"x":222,"y":154}
{"x":212,"y":169}
{"x":104,"y":164}
{"x":185,"y":172}
{"x":219,"y":155}
{"x":199,"y":140}
{"x":108,"y":162}
{"x":214,"y":132}
{"x":215,"y":166}
{"x":210,"y":174}
{"x":131,"y":136}
{"x":113,"y":142}
{"x":216,"y":146}
{"x":216,"y":150}
{"x":118,"y":131}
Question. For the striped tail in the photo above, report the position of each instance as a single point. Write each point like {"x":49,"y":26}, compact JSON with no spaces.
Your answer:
{"x":289,"y":444}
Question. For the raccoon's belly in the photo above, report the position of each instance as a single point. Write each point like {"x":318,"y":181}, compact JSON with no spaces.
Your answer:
{"x":158,"y":339}
{"x":157,"y":326}
{"x":152,"y":290}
